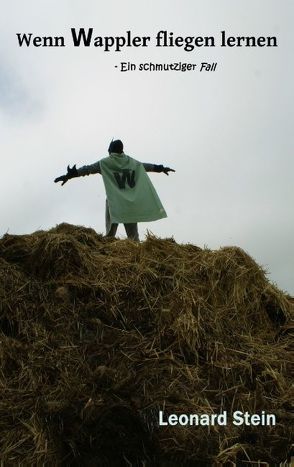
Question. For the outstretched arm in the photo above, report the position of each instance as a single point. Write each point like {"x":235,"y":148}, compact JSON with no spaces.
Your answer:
{"x":71,"y":173}
{"x":157,"y":168}
{"x":74,"y":172}
{"x":89,"y":169}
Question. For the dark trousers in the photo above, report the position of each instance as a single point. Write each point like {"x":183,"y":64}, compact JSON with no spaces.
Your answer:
{"x":111,"y":228}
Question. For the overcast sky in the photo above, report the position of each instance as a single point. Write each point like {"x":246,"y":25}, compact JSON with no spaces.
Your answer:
{"x":228,"y":134}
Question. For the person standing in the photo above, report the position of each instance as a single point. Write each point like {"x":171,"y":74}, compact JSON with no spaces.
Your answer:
{"x":131,"y":197}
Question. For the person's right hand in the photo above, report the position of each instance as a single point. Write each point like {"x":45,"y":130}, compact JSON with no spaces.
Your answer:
{"x":166,"y":170}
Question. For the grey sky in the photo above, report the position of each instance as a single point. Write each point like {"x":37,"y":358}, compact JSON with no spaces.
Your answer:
{"x":227,"y":133}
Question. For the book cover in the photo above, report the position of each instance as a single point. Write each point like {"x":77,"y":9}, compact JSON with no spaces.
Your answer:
{"x":170,"y":347}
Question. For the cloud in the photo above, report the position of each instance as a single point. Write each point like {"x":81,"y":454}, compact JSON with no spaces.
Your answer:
{"x":16,"y":102}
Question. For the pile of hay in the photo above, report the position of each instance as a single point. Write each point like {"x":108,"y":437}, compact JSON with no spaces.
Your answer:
{"x":97,"y":335}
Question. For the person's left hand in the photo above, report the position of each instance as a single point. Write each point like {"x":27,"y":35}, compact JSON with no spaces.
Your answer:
{"x":71,"y":173}
{"x":62,"y":178}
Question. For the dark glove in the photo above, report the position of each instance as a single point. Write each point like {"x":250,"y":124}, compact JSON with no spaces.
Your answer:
{"x":161,"y":168}
{"x":166,"y":170}
{"x":71,"y":173}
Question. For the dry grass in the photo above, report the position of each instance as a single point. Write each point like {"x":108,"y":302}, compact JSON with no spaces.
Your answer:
{"x":97,"y":335}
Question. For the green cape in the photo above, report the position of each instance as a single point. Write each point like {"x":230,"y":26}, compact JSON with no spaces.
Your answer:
{"x":130,"y":193}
